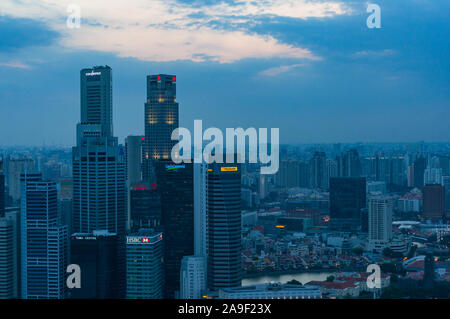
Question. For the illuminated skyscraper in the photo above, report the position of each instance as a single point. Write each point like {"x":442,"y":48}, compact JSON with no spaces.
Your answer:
{"x":161,"y":118}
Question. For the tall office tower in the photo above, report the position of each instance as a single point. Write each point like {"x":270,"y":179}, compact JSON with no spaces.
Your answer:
{"x":145,"y":268}
{"x":133,"y":147}
{"x":434,"y":201}
{"x":200,"y":210}
{"x":2,"y":188}
{"x":44,"y":240}
{"x":192,"y":277}
{"x":432,"y":176}
{"x":99,"y":189}
{"x":446,"y":183}
{"x":349,"y":164}
{"x":96,"y":253}
{"x":9,"y":283}
{"x":330,"y":171}
{"x":161,"y":118}
{"x":96,"y":98}
{"x":318,"y":167}
{"x":99,"y":175}
{"x":410,"y":175}
{"x":16,"y":166}
{"x":347,"y":198}
{"x":444,"y":163}
{"x":399,"y":170}
{"x":383,"y":169}
{"x":224,"y":226}
{"x":263,"y":186}
{"x":145,"y":207}
{"x":419,"y":169}
{"x":175,"y":183}
{"x":380,"y":222}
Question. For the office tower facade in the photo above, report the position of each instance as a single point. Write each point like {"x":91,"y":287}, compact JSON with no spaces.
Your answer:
{"x":224,"y":226}
{"x":99,"y":186}
{"x":44,"y":244}
{"x":347,"y":198}
{"x":97,"y":255}
{"x":16,"y":166}
{"x":330,"y":171}
{"x":145,"y":207}
{"x":192,"y":277}
{"x":318,"y":170}
{"x":380,"y":222}
{"x":161,"y":118}
{"x":399,"y":170}
{"x":349,"y":164}
{"x":175,"y":184}
{"x":96,"y":98}
{"x":2,"y":188}
{"x":432,"y":176}
{"x":9,"y":276}
{"x":200,"y":210}
{"x":433,"y":201}
{"x":419,"y":169}
{"x":133,"y":148}
{"x":145,"y":268}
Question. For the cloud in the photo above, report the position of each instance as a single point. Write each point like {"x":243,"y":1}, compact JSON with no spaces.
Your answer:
{"x":15,"y":65}
{"x":169,"y":30}
{"x":279,"y":70}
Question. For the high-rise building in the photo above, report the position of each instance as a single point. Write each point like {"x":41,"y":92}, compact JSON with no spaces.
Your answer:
{"x":16,"y":166}
{"x":224,"y":226}
{"x":9,"y":279}
{"x":433,"y":201}
{"x":44,"y":240}
{"x":97,"y":255}
{"x":99,"y":175}
{"x":145,"y":268}
{"x":96,"y":98}
{"x":145,"y":207}
{"x":347,"y":198}
{"x":380,"y":222}
{"x":133,"y":147}
{"x":432,"y":176}
{"x":349,"y":164}
{"x":161,"y":119}
{"x":99,"y":189}
{"x":192,"y":277}
{"x":399,"y":170}
{"x":419,"y":169}
{"x":175,"y":184}
{"x":2,"y":188}
{"x":318,"y":170}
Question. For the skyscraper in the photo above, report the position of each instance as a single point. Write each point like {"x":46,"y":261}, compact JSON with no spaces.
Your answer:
{"x":2,"y":188}
{"x":16,"y":166}
{"x":145,"y":268}
{"x":99,"y":189}
{"x":145,"y":207}
{"x":380,"y":222}
{"x":192,"y":277}
{"x":175,"y":184}
{"x":97,"y":255}
{"x":318,"y":170}
{"x":161,"y":118}
{"x":9,"y":283}
{"x":224,"y":226}
{"x":347,"y":198}
{"x":434,"y":201}
{"x":419,"y":170}
{"x":99,"y":175}
{"x":133,"y":147}
{"x":96,"y":98}
{"x":43,"y":240}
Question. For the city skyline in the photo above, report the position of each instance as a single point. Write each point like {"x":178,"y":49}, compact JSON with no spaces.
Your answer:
{"x":347,"y":84}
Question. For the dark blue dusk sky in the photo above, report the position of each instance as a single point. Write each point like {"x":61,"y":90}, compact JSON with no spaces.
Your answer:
{"x":312,"y":68}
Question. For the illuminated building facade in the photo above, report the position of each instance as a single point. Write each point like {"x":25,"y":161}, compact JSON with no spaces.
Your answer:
{"x":161,"y":118}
